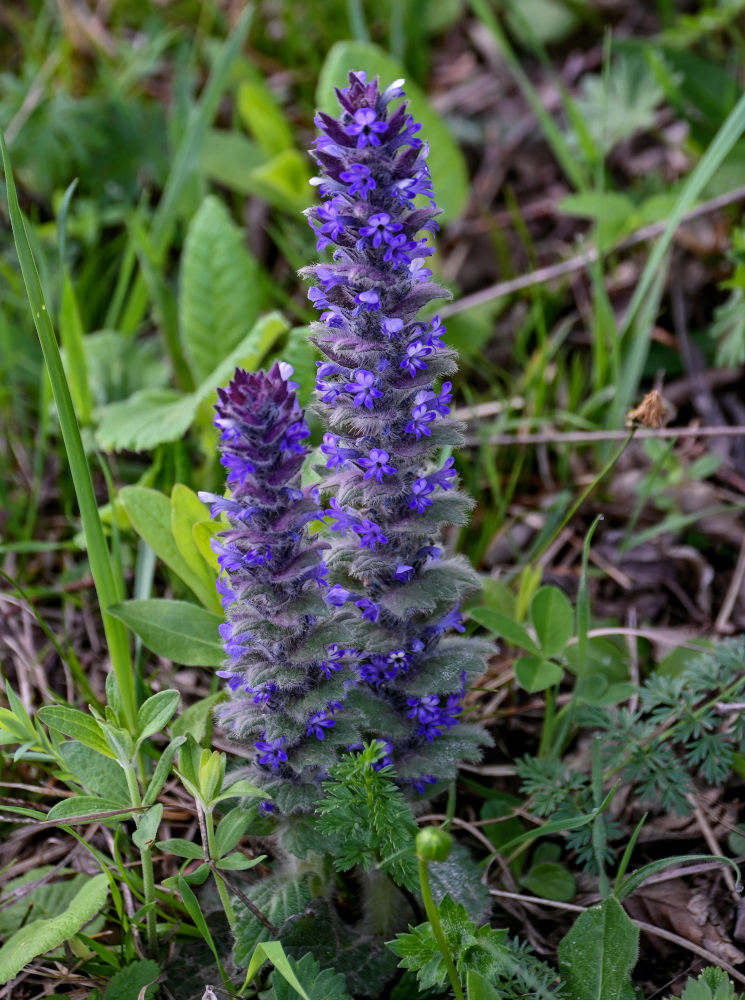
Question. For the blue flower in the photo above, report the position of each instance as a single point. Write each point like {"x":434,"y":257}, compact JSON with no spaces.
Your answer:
{"x":271,"y":752}
{"x":377,"y":464}
{"x":363,"y":388}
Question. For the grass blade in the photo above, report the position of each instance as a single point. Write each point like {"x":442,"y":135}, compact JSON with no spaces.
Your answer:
{"x":98,"y":553}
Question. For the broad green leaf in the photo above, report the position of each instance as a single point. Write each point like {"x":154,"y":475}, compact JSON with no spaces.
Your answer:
{"x":128,"y":983}
{"x":155,"y":713}
{"x":194,"y":719}
{"x":147,"y":827}
{"x":478,"y":988}
{"x":553,"y":619}
{"x":148,"y":418}
{"x":150,"y":514}
{"x":548,"y":21}
{"x":154,"y":416}
{"x":77,"y":725}
{"x":449,"y":174}
{"x":235,"y":161}
{"x":120,"y":741}
{"x":231,"y":829}
{"x":178,"y":630}
{"x":181,"y":848}
{"x":535,"y":674}
{"x":218,"y":293}
{"x":80,"y":808}
{"x":187,"y":510}
{"x":41,"y":936}
{"x":100,"y":774}
{"x":551,"y":881}
{"x":261,"y":114}
{"x":203,"y":534}
{"x":597,"y":955}
{"x":504,"y":628}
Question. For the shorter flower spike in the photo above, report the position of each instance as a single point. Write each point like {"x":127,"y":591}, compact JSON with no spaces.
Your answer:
{"x":289,"y":683}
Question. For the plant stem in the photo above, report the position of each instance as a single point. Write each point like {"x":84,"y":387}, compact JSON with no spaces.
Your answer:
{"x":148,"y":877}
{"x":434,"y":919}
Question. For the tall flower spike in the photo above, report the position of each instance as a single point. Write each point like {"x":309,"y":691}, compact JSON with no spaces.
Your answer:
{"x":286,"y":671}
{"x":385,"y":395}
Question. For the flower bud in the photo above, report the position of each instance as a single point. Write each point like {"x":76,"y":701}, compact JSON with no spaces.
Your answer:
{"x":433,"y":844}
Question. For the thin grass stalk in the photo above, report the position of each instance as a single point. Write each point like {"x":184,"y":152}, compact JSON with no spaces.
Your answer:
{"x":98,"y":553}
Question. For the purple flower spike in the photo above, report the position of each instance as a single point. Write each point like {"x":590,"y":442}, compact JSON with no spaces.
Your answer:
{"x":384,"y":390}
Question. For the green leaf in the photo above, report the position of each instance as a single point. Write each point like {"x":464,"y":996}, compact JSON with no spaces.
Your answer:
{"x":553,"y":619}
{"x":272,"y":951}
{"x":632,"y":883}
{"x":178,"y":630}
{"x":148,"y":418}
{"x":162,"y":770}
{"x":536,"y":674}
{"x":449,"y":174}
{"x":181,"y":848}
{"x":187,"y":510}
{"x":277,"y":898}
{"x":597,"y":955}
{"x":194,"y":719}
{"x":263,"y":117}
{"x":231,"y":829}
{"x":100,"y":775}
{"x":77,"y":725}
{"x":147,"y":827}
{"x":41,"y":936}
{"x":240,"y":789}
{"x":319,"y":985}
{"x":551,"y":881}
{"x":155,"y":713}
{"x":149,"y":511}
{"x":477,"y":988}
{"x":71,"y":337}
{"x":238,"y":163}
{"x":218,"y":300}
{"x":128,"y":983}
{"x":80,"y":808}
{"x":192,"y":905}
{"x":238,"y":862}
{"x":504,"y":628}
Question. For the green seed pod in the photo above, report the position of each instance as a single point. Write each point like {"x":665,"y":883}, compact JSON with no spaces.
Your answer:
{"x":433,"y":844}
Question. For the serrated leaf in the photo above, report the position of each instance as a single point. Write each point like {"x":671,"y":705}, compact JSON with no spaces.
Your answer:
{"x":553,"y":619}
{"x":449,"y":174}
{"x":178,"y":630}
{"x":155,"y":713}
{"x":597,"y":955}
{"x":76,"y":724}
{"x":148,"y":418}
{"x":128,"y":983}
{"x":100,"y":775}
{"x":535,"y":674}
{"x":218,"y":298}
{"x":41,"y":936}
{"x":277,"y":899}
{"x":504,"y":628}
